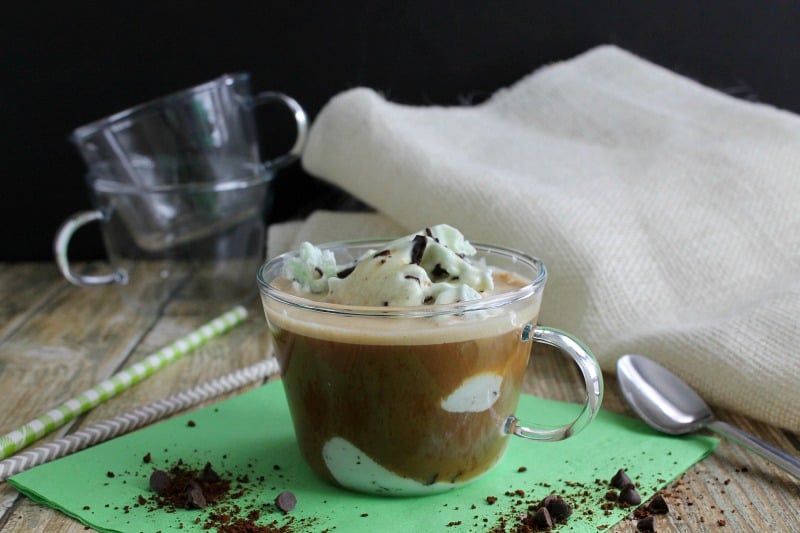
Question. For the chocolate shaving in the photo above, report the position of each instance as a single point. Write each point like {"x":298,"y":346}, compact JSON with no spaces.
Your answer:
{"x":382,"y":253}
{"x":345,"y":272}
{"x":439,"y":272}
{"x":420,"y":242}
{"x":415,"y":278}
{"x":318,"y":272}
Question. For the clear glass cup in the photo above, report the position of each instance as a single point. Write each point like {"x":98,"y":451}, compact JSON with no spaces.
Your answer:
{"x":414,"y":400}
{"x":203,"y":134}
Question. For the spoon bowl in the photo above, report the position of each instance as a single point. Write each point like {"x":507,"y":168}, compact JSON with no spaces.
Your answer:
{"x":670,"y":405}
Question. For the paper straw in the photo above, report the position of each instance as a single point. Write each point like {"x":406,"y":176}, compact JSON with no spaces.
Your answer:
{"x":141,"y":416}
{"x":125,"y":379}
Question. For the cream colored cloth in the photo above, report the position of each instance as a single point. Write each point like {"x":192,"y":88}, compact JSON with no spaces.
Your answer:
{"x":668,"y":213}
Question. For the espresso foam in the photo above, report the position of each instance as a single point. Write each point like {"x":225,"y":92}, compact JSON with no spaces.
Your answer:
{"x":384,"y":330}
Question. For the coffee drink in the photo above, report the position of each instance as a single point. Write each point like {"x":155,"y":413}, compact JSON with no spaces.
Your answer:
{"x":406,"y":399}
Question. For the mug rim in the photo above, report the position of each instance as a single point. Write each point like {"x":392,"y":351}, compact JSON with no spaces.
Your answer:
{"x":533,"y":287}
{"x":81,"y":133}
{"x":260,"y":175}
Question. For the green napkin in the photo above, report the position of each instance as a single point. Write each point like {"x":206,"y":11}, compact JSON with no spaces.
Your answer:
{"x":250,"y":437}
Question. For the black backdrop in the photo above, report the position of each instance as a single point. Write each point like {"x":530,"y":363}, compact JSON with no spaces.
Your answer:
{"x":68,"y":63}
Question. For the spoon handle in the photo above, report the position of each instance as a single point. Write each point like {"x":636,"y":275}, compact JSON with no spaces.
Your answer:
{"x":775,"y":455}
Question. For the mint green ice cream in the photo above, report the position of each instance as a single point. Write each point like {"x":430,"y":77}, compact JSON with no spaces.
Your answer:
{"x":432,"y":266}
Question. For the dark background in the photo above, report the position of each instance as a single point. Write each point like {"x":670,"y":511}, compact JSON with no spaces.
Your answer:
{"x":68,"y":63}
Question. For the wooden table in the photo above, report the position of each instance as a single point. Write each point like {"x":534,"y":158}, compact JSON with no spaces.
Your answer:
{"x":57,"y":340}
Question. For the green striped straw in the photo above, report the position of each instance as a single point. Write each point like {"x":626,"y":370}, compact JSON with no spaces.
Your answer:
{"x":125,"y":379}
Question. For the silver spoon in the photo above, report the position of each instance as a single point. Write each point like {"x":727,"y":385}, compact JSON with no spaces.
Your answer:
{"x":670,"y":405}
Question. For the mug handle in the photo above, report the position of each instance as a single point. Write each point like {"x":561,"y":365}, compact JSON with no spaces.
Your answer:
{"x":61,"y":245}
{"x":301,"y":121}
{"x":593,"y":381}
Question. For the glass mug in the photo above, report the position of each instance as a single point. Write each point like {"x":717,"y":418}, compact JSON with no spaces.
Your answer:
{"x":414,"y":400}
{"x":195,"y":246}
{"x":203,"y":134}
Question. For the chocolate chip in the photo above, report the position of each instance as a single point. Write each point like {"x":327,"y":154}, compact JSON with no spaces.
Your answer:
{"x":208,"y":474}
{"x":559,"y":508}
{"x":345,"y":272}
{"x":628,"y":495}
{"x":621,"y":479}
{"x":439,"y":273}
{"x":418,"y":249}
{"x":195,"y":499}
{"x":646,"y":524}
{"x":159,"y":481}
{"x":286,"y":501}
{"x":542,"y":519}
{"x":147,"y":458}
{"x":658,"y":505}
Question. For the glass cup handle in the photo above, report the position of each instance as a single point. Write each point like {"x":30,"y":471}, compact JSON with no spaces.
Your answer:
{"x":593,"y":381}
{"x":61,"y":245}
{"x":301,"y":121}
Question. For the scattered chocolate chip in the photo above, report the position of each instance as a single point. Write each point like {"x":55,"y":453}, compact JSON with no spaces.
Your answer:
{"x":345,"y":272}
{"x":542,"y":519}
{"x":522,"y":469}
{"x":191,"y":423}
{"x":418,"y":249}
{"x":559,"y":508}
{"x":621,"y":479}
{"x":110,"y":474}
{"x":147,"y":458}
{"x":491,"y":500}
{"x":286,"y":501}
{"x":208,"y":474}
{"x":611,"y":495}
{"x":646,"y":524}
{"x":195,"y":499}
{"x":658,"y":505}
{"x":160,"y":482}
{"x":628,"y":495}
